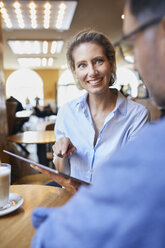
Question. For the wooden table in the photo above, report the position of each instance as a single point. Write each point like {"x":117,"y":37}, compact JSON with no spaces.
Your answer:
{"x":15,"y":228}
{"x":41,"y":138}
{"x":33,"y":137}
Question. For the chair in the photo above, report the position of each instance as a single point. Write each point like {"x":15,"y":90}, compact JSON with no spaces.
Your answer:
{"x":50,"y":126}
{"x":11,"y":110}
{"x":12,"y":121}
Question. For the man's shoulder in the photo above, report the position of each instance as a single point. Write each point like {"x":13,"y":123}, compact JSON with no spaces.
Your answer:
{"x":155,"y":128}
{"x":149,"y":142}
{"x":147,"y":145}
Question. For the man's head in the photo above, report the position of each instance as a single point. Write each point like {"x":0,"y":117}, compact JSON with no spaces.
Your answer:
{"x":148,"y":43}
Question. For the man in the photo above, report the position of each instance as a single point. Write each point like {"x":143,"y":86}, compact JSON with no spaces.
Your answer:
{"x":125,"y":207}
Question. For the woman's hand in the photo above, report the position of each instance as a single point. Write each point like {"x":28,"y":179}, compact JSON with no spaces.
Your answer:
{"x":69,"y":184}
{"x":63,"y":148}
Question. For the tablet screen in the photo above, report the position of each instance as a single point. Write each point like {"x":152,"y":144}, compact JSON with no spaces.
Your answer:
{"x":45,"y":167}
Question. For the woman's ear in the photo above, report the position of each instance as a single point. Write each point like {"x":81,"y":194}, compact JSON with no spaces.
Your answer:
{"x":110,"y":62}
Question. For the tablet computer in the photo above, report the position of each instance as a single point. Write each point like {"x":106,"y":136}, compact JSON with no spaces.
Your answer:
{"x":45,"y":167}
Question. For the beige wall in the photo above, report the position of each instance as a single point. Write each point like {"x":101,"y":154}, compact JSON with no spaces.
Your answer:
{"x":49,"y":77}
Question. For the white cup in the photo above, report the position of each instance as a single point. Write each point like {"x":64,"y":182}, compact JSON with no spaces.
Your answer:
{"x":5,"y":172}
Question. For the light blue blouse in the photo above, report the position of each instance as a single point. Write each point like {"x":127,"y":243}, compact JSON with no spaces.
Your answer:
{"x":120,"y":126}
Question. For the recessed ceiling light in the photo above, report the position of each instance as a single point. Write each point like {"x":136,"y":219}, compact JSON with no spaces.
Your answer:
{"x":44,"y":62}
{"x":35,"y":62}
{"x":37,"y":14}
{"x":29,"y":62}
{"x":36,"y":46}
{"x":50,"y":61}
{"x":45,"y":47}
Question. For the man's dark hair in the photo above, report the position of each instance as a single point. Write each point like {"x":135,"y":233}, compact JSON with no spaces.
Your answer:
{"x":154,"y":8}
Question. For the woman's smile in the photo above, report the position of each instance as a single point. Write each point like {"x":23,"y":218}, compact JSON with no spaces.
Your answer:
{"x":92,"y":67}
{"x":95,"y":82}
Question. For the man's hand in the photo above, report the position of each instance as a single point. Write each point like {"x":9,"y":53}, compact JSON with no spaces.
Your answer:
{"x":63,"y":148}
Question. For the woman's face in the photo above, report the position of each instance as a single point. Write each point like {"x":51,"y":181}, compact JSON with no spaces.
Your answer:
{"x":92,"y":67}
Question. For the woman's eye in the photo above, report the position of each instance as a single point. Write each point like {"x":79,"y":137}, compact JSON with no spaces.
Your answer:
{"x":81,"y":66}
{"x":99,"y":61}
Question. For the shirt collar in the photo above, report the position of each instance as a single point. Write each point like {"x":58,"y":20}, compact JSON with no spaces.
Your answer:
{"x":121,"y":103}
{"x":81,"y":102}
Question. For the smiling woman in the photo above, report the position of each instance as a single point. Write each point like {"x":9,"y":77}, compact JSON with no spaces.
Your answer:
{"x":90,"y":128}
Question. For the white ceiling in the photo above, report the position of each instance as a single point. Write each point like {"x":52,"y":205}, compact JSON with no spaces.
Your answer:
{"x":101,"y":15}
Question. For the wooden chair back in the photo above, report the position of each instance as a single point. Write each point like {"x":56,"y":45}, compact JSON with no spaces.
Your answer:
{"x":49,"y":151}
{"x":50,"y":126}
{"x":11,"y":110}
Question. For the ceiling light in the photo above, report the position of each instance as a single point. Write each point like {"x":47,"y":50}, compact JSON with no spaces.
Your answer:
{"x":56,"y":47}
{"x":53,"y":47}
{"x":45,"y":47}
{"x":36,"y":46}
{"x":25,"y":46}
{"x":37,"y":14}
{"x":33,"y":15}
{"x":19,"y":15}
{"x":29,"y":62}
{"x":47,"y":15}
{"x":50,"y":62}
{"x":5,"y":16}
{"x":35,"y":62}
{"x":60,"y":17}
{"x":44,"y":62}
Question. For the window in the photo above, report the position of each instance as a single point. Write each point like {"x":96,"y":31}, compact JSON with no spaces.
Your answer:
{"x":25,"y":84}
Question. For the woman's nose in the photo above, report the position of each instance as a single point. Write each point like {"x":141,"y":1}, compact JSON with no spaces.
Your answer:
{"x":92,"y":70}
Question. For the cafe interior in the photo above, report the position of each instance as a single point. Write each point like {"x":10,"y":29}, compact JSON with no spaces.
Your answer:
{"x":34,"y":38}
{"x":35,"y":80}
